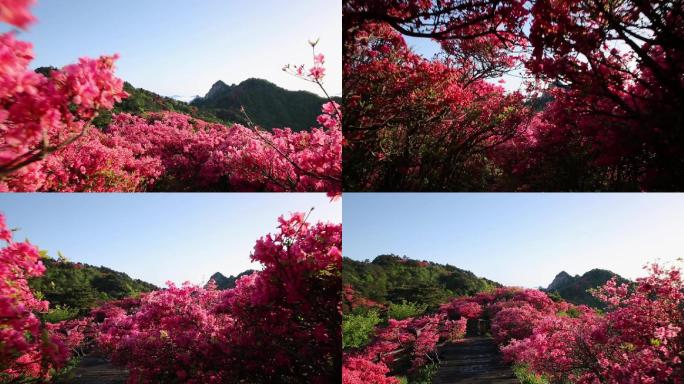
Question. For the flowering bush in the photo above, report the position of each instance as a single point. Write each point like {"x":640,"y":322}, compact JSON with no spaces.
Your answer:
{"x":192,"y":154}
{"x":418,"y":124}
{"x":514,"y":323}
{"x":463,"y":308}
{"x":278,"y":324}
{"x":28,"y":347}
{"x":413,"y":338}
{"x":638,"y":340}
{"x":359,"y":370}
{"x":454,"y":329}
{"x":40,"y":115}
{"x":603,"y":109}
{"x":163,"y":333}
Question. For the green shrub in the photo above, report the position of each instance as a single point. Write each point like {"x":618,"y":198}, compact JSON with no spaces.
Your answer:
{"x":357,"y":329}
{"x":60,"y":313}
{"x":424,"y":375}
{"x":526,"y":376}
{"x":572,"y":312}
{"x":406,"y":309}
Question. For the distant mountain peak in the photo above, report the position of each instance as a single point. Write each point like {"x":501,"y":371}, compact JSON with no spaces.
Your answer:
{"x":560,"y":280}
{"x":223,"y":282}
{"x":258,"y":81}
{"x":216,"y":89}
{"x":267,"y":104}
{"x":217,"y":275}
{"x":575,"y":289}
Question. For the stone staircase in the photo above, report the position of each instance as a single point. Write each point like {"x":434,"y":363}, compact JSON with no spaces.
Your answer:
{"x":95,"y":370}
{"x":473,"y":360}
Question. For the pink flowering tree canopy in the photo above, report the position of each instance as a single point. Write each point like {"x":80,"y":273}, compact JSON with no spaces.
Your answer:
{"x":599,"y":108}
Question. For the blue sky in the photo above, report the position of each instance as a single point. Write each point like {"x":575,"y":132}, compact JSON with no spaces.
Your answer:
{"x":181,"y":47}
{"x":158,"y":237}
{"x":518,"y":239}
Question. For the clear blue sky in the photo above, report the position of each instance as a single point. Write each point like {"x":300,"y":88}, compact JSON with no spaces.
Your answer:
{"x":158,"y":237}
{"x":518,"y":239}
{"x":181,"y":47}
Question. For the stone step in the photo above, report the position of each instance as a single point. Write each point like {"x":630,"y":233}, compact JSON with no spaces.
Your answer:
{"x":475,"y":360}
{"x":95,"y":370}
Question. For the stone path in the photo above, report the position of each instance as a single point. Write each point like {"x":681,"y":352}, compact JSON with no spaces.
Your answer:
{"x":95,"y":370}
{"x":474,"y":360}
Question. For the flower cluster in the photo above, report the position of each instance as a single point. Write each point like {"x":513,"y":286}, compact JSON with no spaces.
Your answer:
{"x":172,"y":151}
{"x":16,"y":12}
{"x":278,"y":324}
{"x":29,"y":348}
{"x":413,"y":338}
{"x":41,"y":114}
{"x":360,"y":370}
{"x":638,"y":340}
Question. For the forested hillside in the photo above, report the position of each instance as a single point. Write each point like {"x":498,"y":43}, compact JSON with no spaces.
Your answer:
{"x":76,"y":288}
{"x":390,"y":278}
{"x":141,"y":100}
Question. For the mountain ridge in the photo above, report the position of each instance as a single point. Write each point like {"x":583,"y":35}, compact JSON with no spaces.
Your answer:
{"x":575,"y":289}
{"x":393,"y":279}
{"x":266,"y":104}
{"x":561,"y":279}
